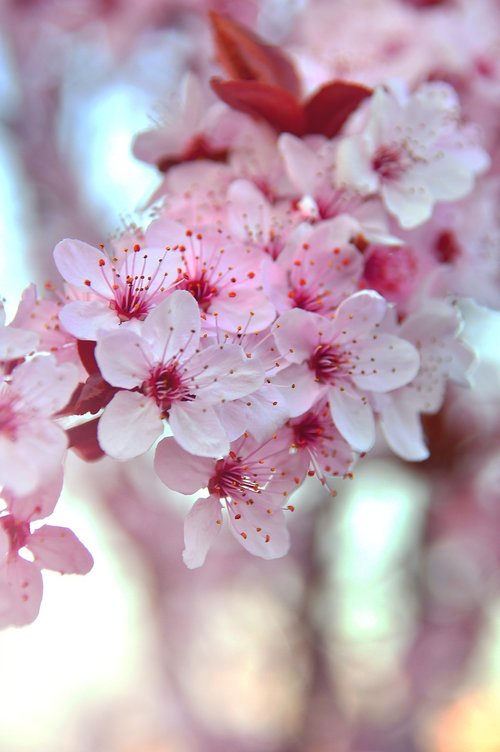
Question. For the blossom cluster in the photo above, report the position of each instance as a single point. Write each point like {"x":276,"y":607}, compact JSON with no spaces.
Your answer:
{"x":294,"y":293}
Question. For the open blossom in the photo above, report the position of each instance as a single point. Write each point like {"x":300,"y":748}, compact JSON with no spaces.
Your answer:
{"x":343,"y":359}
{"x":15,"y":341}
{"x":315,"y":437}
{"x":413,"y":151}
{"x":317,"y":269}
{"x":254,"y":480}
{"x":257,"y":221}
{"x":434,"y":330}
{"x":52,"y":547}
{"x":32,"y":445}
{"x":223,"y":276}
{"x":123,"y":288}
{"x":171,"y":377}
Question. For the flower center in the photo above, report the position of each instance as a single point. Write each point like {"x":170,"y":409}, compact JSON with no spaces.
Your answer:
{"x":388,"y":162}
{"x":166,"y":385}
{"x":18,"y":532}
{"x":200,"y":287}
{"x":232,"y":479}
{"x":326,"y":361}
{"x":308,"y":431}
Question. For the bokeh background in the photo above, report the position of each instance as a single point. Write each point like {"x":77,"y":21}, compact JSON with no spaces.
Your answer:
{"x":380,"y":632}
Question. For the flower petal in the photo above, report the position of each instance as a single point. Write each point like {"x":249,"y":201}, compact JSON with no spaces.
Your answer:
{"x":201,"y":527}
{"x":124,"y":358}
{"x":180,"y":470}
{"x":173,"y":327}
{"x":198,"y":429}
{"x":80,"y":263}
{"x":384,"y":363}
{"x":86,"y":318}
{"x":353,"y":417}
{"x":259,"y":528}
{"x":59,"y":549}
{"x":21,"y":591}
{"x":129,"y":425}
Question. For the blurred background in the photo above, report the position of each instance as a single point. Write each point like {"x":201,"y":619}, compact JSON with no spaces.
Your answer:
{"x":380,"y":632}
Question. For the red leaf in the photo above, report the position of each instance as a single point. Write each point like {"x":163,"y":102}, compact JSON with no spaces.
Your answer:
{"x":83,"y":440}
{"x":86,"y":352}
{"x":198,"y":148}
{"x":276,"y":106}
{"x":328,"y":109}
{"x":93,"y":396}
{"x":246,"y":57}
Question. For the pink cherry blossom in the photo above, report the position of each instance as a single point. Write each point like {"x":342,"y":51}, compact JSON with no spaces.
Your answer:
{"x":52,"y":547}
{"x":343,"y":360}
{"x":413,"y":151}
{"x":255,"y":481}
{"x":32,"y":445}
{"x":125,"y":287}
{"x":41,"y":316}
{"x":434,"y":330}
{"x":255,"y":220}
{"x":318,"y":268}
{"x":171,"y":376}
{"x":223,"y":276}
{"x":315,"y":437}
{"x":15,"y":341}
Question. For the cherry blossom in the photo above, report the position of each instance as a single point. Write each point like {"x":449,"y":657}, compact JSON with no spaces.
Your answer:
{"x":32,"y":445}
{"x":124,"y":287}
{"x":15,"y":341}
{"x":51,"y":547}
{"x":170,"y":376}
{"x":434,"y":330}
{"x":318,"y":268}
{"x":343,"y":360}
{"x":316,"y":438}
{"x":413,"y":151}
{"x":223,"y":276}
{"x":255,"y":481}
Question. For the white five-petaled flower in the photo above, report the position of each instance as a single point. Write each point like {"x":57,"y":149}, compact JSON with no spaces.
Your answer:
{"x":254,"y":480}
{"x":343,"y":359}
{"x":413,"y":151}
{"x":170,"y":377}
{"x":122,"y":288}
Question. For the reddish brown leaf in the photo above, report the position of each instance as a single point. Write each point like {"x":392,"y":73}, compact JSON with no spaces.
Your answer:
{"x":276,"y":106}
{"x":83,"y":440}
{"x":246,"y":57}
{"x":198,"y":148}
{"x":93,"y":396}
{"x":86,"y":350}
{"x":328,"y":109}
